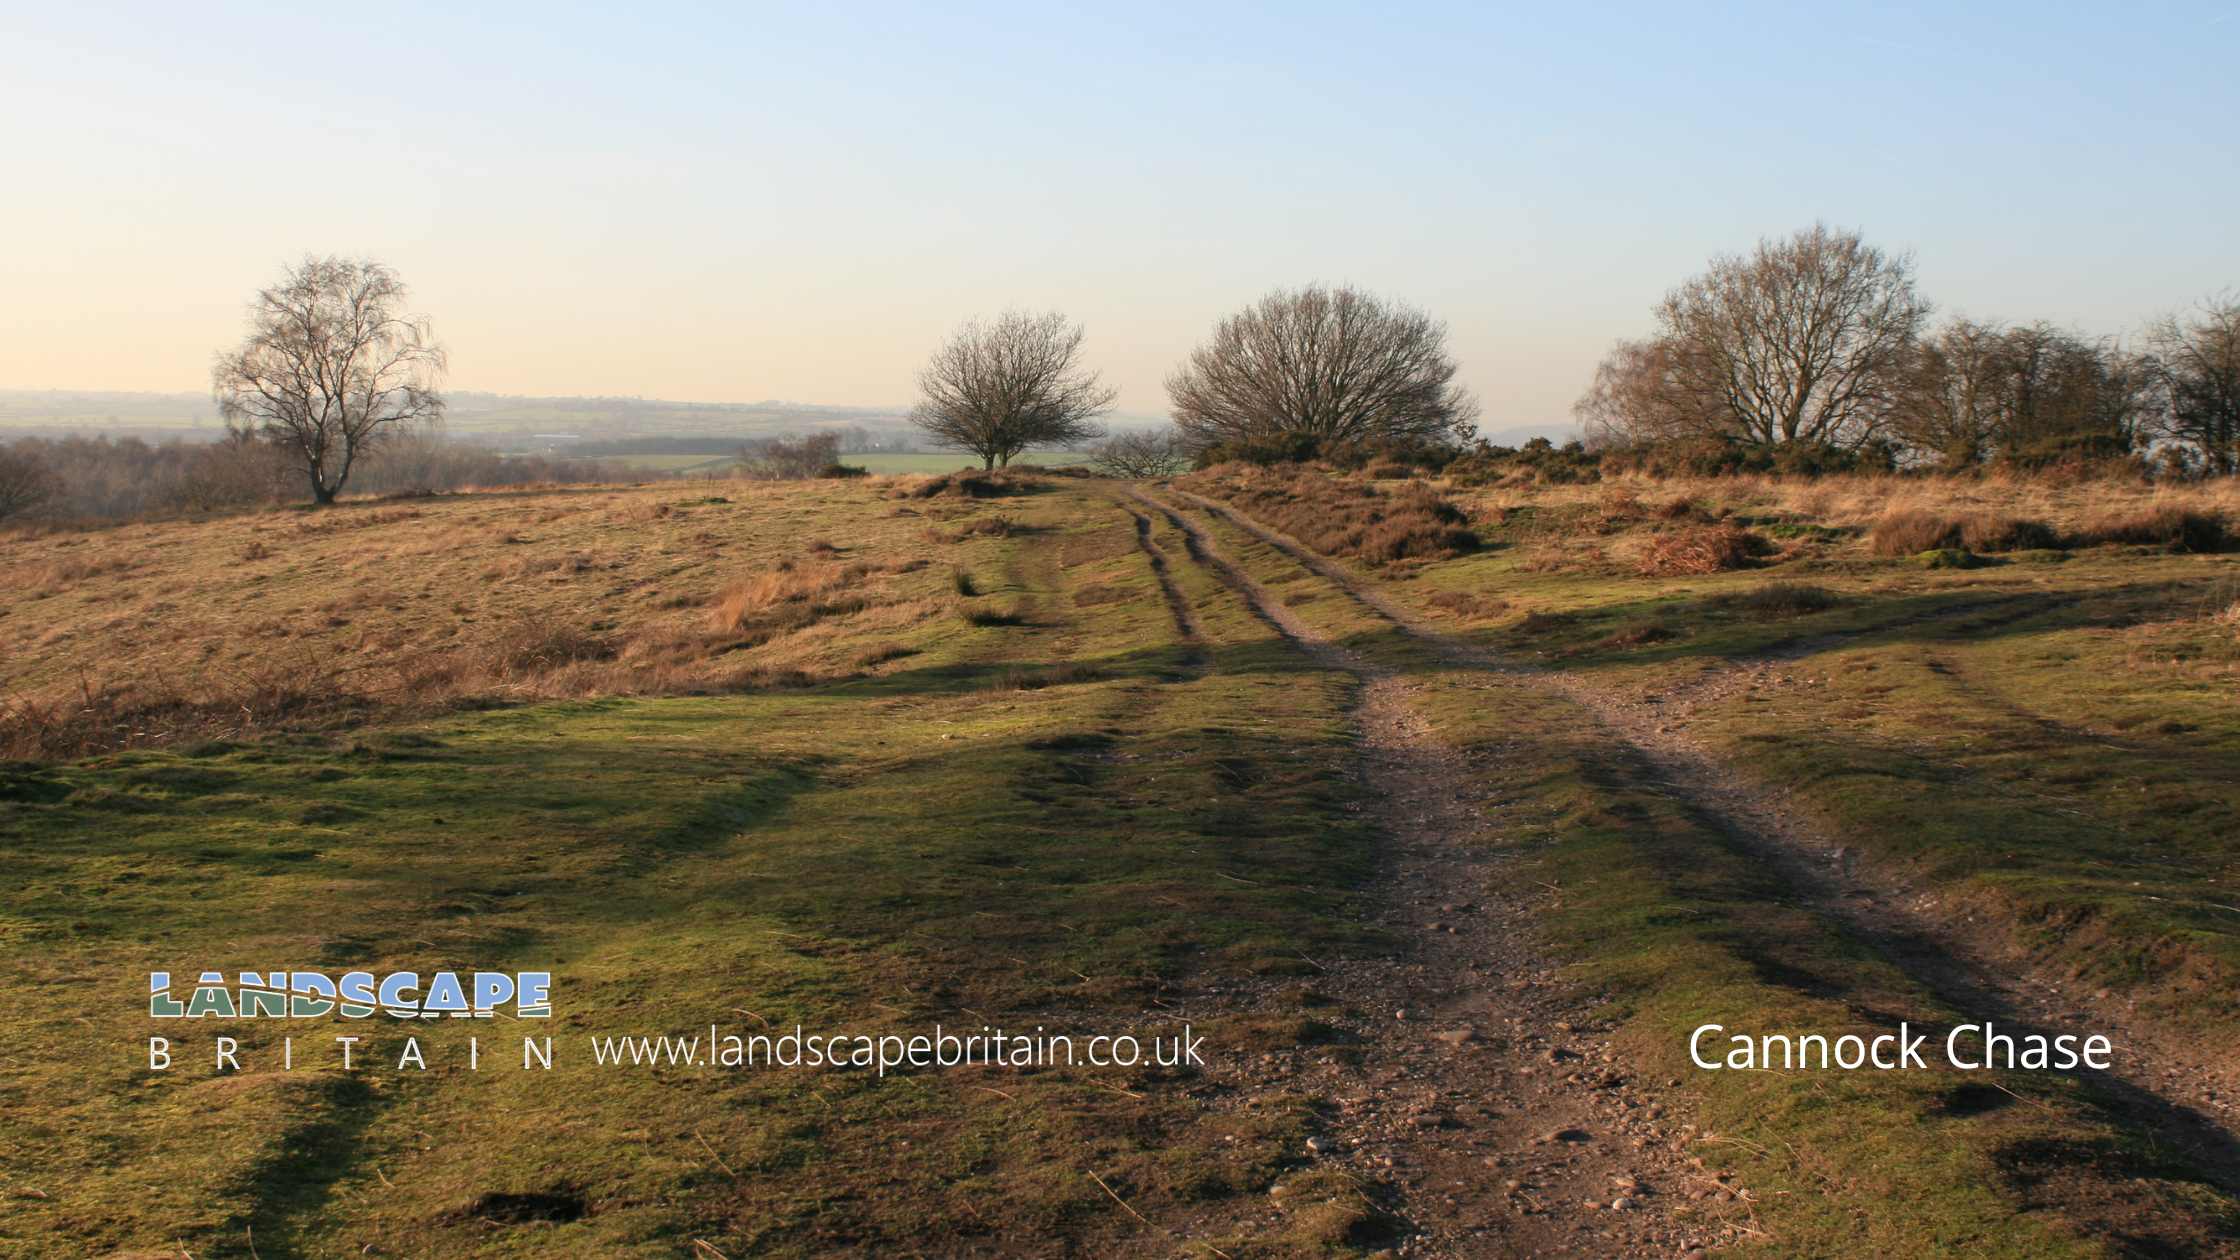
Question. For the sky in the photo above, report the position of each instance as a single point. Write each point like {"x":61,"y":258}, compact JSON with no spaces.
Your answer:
{"x":737,"y":202}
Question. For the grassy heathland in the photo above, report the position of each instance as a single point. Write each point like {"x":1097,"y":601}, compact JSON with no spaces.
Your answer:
{"x":1679,"y":923}
{"x":876,"y":755}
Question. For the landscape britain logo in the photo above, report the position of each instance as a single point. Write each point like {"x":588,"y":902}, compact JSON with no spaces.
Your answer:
{"x":354,"y":995}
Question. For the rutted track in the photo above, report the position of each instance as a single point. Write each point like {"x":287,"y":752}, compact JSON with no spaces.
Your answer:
{"x":1185,"y":620}
{"x":2187,"y":1097}
{"x":1487,"y":1152}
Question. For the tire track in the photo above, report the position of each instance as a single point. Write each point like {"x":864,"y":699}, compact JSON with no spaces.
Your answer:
{"x":1185,"y":618}
{"x":2189,"y":1101}
{"x":1489,"y":1154}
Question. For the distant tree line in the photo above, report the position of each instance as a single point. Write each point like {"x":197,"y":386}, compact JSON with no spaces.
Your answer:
{"x":1820,"y":342}
{"x":1812,"y":353}
{"x":84,"y":479}
{"x":853,"y":439}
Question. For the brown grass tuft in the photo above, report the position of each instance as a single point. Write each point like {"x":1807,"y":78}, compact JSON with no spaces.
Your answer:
{"x":1909,"y":532}
{"x":538,"y":642}
{"x":1698,"y":550}
{"x":1345,"y":516}
{"x":1468,"y":604}
{"x":789,"y":597}
{"x":2162,"y":525}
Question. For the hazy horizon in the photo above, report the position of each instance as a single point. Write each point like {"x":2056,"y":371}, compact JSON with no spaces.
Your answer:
{"x":713,"y":206}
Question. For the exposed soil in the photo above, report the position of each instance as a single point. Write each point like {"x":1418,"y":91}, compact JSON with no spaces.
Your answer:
{"x":2180,"y":1090}
{"x":1480,"y":1101}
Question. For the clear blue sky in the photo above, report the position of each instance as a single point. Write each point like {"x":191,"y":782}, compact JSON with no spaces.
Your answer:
{"x":731,"y":202}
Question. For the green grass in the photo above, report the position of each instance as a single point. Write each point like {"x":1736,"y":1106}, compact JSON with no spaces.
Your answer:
{"x":1072,"y":816}
{"x":2104,"y":855}
{"x":916,"y":847}
{"x":2052,"y":741}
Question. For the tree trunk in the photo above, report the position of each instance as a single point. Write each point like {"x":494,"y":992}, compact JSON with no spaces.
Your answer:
{"x":987,"y":463}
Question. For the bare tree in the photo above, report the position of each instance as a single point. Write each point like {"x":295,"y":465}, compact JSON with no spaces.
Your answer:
{"x":2197,"y":358}
{"x":1640,"y":395}
{"x":1804,"y":340}
{"x":1330,"y":365}
{"x":1951,"y":406}
{"x":2029,"y":393}
{"x":1141,"y":453}
{"x":25,"y":482}
{"x":789,"y":458}
{"x":1000,"y":387}
{"x":331,"y":368}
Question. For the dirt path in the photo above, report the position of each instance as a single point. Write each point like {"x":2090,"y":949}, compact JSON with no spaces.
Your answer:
{"x":1484,"y":1100}
{"x":2169,"y":1084}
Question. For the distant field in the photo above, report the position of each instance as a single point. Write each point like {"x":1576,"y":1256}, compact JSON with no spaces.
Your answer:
{"x":667,"y":463}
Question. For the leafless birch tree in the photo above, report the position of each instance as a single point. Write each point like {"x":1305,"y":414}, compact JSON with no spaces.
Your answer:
{"x":331,"y":368}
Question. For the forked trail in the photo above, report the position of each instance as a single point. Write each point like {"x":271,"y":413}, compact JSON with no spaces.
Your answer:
{"x":2182,"y":1091}
{"x":1483,"y":1099}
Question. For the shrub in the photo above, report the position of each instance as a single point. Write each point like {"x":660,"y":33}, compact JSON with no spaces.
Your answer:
{"x":1700,"y":549}
{"x":790,"y":458}
{"x":2170,"y":527}
{"x":837,"y":471}
{"x":1538,"y":461}
{"x":1724,"y":457}
{"x":1141,"y":453}
{"x":974,"y":485}
{"x":1289,"y":448}
{"x":1994,"y":532}
{"x":1911,"y":532}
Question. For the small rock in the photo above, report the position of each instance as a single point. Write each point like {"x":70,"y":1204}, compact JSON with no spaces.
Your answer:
{"x":1621,"y":1204}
